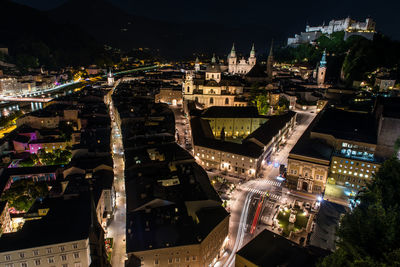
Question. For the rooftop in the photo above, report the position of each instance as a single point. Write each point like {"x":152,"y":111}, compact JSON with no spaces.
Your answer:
{"x":72,"y":215}
{"x":270,"y":249}
{"x":347,"y":125}
{"x":230,"y":112}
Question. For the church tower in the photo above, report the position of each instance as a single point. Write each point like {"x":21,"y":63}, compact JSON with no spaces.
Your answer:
{"x":110,"y":78}
{"x":252,"y":58}
{"x":321,"y":70}
{"x":232,"y":60}
{"x":270,"y":62}
{"x":197,"y":65}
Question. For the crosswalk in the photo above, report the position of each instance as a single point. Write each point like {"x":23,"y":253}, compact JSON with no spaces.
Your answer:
{"x":272,"y":196}
{"x":271,"y":182}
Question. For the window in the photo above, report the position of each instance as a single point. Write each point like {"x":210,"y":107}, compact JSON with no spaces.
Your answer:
{"x":35,"y":252}
{"x":63,"y":257}
{"x":211,"y":100}
{"x":7,"y":257}
{"x":188,"y":89}
{"x":187,"y":258}
{"x":78,"y":264}
{"x":194,"y":258}
{"x":49,"y":250}
{"x":65,"y":265}
{"x":76,"y":255}
{"x":62,"y":248}
{"x":37,"y":262}
{"x":24,"y":264}
{"x":226,"y":101}
{"x":9,"y":265}
{"x":50,"y":260}
{"x":75,"y":246}
{"x":170,"y":260}
{"x":177,"y":259}
{"x":22,"y":255}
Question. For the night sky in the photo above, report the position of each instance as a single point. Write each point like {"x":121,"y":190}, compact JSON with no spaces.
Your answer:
{"x":289,"y":16}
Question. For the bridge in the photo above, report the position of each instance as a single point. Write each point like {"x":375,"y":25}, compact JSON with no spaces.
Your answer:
{"x":25,"y":99}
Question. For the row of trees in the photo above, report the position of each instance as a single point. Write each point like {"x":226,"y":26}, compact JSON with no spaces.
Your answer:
{"x":370,"y":234}
{"x":57,"y":157}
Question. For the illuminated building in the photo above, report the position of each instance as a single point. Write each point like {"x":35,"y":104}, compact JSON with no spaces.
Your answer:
{"x":212,"y":88}
{"x":241,"y":66}
{"x":239,"y":155}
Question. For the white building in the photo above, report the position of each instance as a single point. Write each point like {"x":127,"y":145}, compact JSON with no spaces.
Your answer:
{"x":348,"y":25}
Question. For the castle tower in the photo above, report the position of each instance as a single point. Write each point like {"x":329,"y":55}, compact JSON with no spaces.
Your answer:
{"x":197,"y":65}
{"x":270,"y":62}
{"x":110,"y":78}
{"x":252,"y":58}
{"x":232,"y":60}
{"x":321,"y":70}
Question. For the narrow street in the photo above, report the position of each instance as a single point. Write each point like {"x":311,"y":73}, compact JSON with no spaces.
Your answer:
{"x":116,"y":229}
{"x":244,"y":199}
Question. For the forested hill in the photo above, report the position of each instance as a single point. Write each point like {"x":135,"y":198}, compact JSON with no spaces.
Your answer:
{"x":356,"y":57}
{"x":36,"y":40}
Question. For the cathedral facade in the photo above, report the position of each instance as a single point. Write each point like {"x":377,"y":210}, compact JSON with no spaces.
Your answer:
{"x":241,"y":66}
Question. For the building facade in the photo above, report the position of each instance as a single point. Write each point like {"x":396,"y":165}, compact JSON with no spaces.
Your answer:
{"x":241,"y":66}
{"x":68,"y":254}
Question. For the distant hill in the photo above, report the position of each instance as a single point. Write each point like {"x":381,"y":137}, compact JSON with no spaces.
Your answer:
{"x":35,"y":39}
{"x":112,"y":26}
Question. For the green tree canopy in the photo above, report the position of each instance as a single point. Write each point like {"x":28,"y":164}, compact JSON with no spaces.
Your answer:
{"x":370,"y":235}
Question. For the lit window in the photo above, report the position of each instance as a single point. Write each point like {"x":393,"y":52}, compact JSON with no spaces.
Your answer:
{"x":36,"y":252}
{"x":361,"y":175}
{"x":344,"y":171}
{"x":339,"y":170}
{"x":22,"y":255}
{"x":75,"y":246}
{"x":76,"y":255}
{"x":366,"y":176}
{"x":37,"y":262}
{"x":63,"y":257}
{"x":50,"y":260}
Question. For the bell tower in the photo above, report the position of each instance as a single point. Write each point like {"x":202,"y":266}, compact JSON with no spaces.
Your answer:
{"x":232,"y":60}
{"x":110,"y":78}
{"x":321,"y":70}
{"x":252,"y":58}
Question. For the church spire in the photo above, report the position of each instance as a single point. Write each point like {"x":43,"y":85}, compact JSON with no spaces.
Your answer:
{"x":322,"y":63}
{"x":271,"y":54}
{"x":213,"y":60}
{"x":253,"y":51}
{"x":270,"y":62}
{"x":197,"y":60}
{"x":233,"y":52}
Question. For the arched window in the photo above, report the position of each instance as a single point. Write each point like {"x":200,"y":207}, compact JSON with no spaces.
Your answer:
{"x":196,"y":99}
{"x":226,"y":101}
{"x":211,"y":101}
{"x":188,"y":89}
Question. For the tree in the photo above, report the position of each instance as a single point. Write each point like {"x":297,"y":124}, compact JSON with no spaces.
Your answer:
{"x":369,"y":235}
{"x":23,"y":193}
{"x":66,"y":130}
